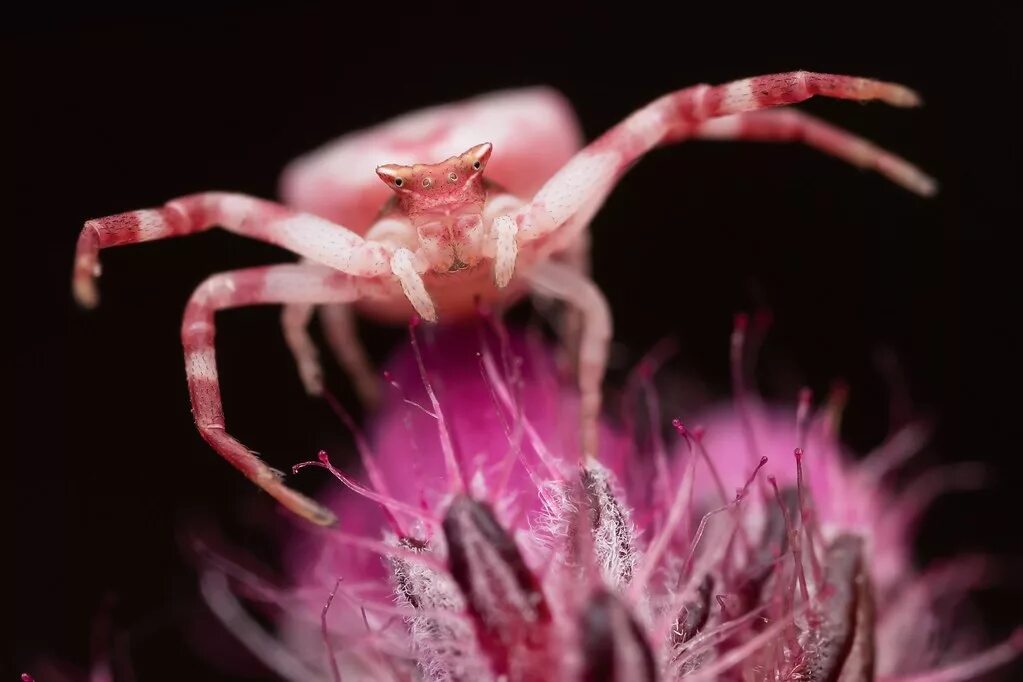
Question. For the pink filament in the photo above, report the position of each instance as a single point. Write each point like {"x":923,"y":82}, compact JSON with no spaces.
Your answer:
{"x":331,"y":658}
{"x":451,"y":461}
{"x":384,"y":501}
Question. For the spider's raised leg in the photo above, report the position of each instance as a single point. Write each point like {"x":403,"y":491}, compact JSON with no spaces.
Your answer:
{"x":307,"y":235}
{"x":565,"y":283}
{"x":572,"y":196}
{"x":299,"y":284}
{"x":792,"y":125}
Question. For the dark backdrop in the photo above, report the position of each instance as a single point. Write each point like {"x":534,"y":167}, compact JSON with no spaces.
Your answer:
{"x":123,"y":110}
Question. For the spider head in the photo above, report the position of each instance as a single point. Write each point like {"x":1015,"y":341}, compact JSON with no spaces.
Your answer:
{"x":444,"y":201}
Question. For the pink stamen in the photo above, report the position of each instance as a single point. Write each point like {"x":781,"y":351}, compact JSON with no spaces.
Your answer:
{"x":335,"y":673}
{"x":513,"y":372}
{"x":660,"y":542}
{"x":382,"y":548}
{"x":660,"y":455}
{"x":362,"y":446}
{"x":741,"y":653}
{"x":640,"y":379}
{"x":809,"y":519}
{"x":711,"y":636}
{"x":739,"y":393}
{"x":452,"y":462}
{"x":413,"y":440}
{"x":696,"y":441}
{"x":387,"y":502}
{"x":514,"y":441}
{"x":545,"y":455}
{"x":803,"y":416}
{"x":404,"y":398}
{"x":793,"y":535}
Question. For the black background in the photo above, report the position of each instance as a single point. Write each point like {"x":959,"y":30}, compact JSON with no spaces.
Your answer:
{"x":122,"y":110}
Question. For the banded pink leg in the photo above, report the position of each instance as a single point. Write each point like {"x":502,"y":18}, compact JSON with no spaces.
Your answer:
{"x":565,"y":283}
{"x":296,"y":284}
{"x":307,"y":235}
{"x":574,"y":193}
{"x":792,"y":125}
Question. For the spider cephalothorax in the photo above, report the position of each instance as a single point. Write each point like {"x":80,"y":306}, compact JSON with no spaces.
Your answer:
{"x":444,"y":202}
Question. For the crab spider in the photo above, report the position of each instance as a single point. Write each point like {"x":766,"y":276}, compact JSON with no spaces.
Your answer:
{"x":448,"y":236}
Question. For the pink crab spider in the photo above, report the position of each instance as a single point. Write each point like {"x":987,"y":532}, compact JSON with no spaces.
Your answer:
{"x":449,"y":239}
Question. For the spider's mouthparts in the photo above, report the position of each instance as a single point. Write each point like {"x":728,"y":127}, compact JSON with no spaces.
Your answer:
{"x":457,"y":265}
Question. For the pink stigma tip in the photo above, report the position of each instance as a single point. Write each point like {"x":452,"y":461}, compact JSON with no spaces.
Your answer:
{"x":763,"y":461}
{"x":679,"y":426}
{"x":741,"y":322}
{"x":25,"y":677}
{"x":415,"y":321}
{"x":798,"y":453}
{"x":323,"y":456}
{"x":805,"y":395}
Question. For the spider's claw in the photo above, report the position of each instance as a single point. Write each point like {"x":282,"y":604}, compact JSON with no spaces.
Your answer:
{"x":322,"y":516}
{"x":86,"y":269}
{"x":307,"y":508}
{"x":85,"y":292}
{"x":899,"y":95}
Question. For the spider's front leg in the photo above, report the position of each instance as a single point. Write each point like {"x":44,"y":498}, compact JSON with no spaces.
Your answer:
{"x":307,"y":235}
{"x":575,"y":192}
{"x":567,"y":202}
{"x":290,"y":284}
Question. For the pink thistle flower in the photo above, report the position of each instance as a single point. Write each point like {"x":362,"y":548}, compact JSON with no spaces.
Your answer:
{"x":479,"y":545}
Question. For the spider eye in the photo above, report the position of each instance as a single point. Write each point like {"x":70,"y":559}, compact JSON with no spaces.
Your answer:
{"x":427,"y":183}
{"x":452,"y":177}
{"x":398,"y":182}
{"x":476,"y":165}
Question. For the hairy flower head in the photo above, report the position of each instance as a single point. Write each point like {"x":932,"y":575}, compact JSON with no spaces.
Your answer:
{"x":477,"y":544}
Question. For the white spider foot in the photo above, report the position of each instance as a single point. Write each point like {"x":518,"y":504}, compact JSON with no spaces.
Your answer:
{"x":507,"y":250}
{"x":85,"y":292}
{"x":87,"y":268}
{"x":403,"y":267}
